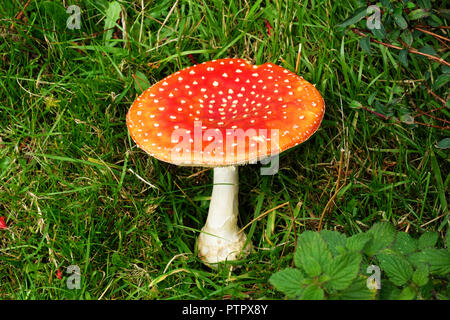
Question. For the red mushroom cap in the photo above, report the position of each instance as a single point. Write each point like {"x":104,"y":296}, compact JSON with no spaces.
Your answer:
{"x":225,"y":112}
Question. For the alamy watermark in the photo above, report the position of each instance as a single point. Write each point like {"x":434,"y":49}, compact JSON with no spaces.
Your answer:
{"x":237,"y":146}
{"x":374,"y":280}
{"x":374,"y":20}
{"x":74,"y":21}
{"x":74,"y":278}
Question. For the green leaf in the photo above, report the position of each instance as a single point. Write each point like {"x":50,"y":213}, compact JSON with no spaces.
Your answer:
{"x":288,"y":281}
{"x":400,"y":21}
{"x":407,"y":37}
{"x":420,"y":276}
{"x":141,"y":82}
{"x":343,"y":270}
{"x":358,"y":241}
{"x":380,"y":33}
{"x":404,"y":243}
{"x":359,"y":14}
{"x":112,"y":15}
{"x":397,"y":268}
{"x":358,"y":291}
{"x":335,"y":241}
{"x":386,"y":3}
{"x":4,"y":162}
{"x":403,"y":57}
{"x":428,"y":240}
{"x":444,"y":143}
{"x":383,"y":235}
{"x":312,"y":292}
{"x":418,"y":14}
{"x":312,"y":253}
{"x":437,"y":259}
{"x":440,"y":81}
{"x":426,"y":4}
{"x":355,"y":104}
{"x":428,"y":50}
{"x":365,"y":44}
{"x":407,"y":293}
{"x":410,"y":5}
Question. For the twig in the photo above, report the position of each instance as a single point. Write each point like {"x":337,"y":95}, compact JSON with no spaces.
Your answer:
{"x":263,"y":214}
{"x":375,"y":113}
{"x":437,"y":218}
{"x":20,"y":14}
{"x":411,"y":50}
{"x":436,"y":97}
{"x":165,"y":20}
{"x":432,"y":34}
{"x":432,"y":125}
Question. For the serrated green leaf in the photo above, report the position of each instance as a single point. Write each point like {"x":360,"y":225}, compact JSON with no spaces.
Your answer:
{"x":407,"y":37}
{"x":397,"y":268}
{"x":444,"y":143}
{"x":358,"y":291}
{"x":383,"y":235}
{"x":418,"y":14}
{"x":358,"y":241}
{"x":288,"y":281}
{"x":364,"y":43}
{"x":393,"y":36}
{"x":404,"y":243}
{"x":312,"y":292}
{"x":403,"y":57}
{"x":407,"y":293}
{"x":380,"y":33}
{"x":428,"y":240}
{"x":420,"y":275}
{"x":343,"y":270}
{"x":335,"y":240}
{"x":359,"y":14}
{"x":400,"y":21}
{"x":428,"y":50}
{"x":437,"y":259}
{"x":141,"y":82}
{"x":312,"y":253}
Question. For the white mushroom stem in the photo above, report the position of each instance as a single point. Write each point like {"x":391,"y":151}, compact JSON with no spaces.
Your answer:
{"x":221,"y":239}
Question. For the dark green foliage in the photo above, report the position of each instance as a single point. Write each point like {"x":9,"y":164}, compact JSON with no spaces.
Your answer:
{"x":405,"y":268}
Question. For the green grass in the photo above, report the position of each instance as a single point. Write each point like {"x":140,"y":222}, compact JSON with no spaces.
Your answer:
{"x":69,"y":172}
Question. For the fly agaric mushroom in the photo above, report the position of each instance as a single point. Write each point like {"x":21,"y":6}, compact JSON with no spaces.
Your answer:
{"x":221,"y":114}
